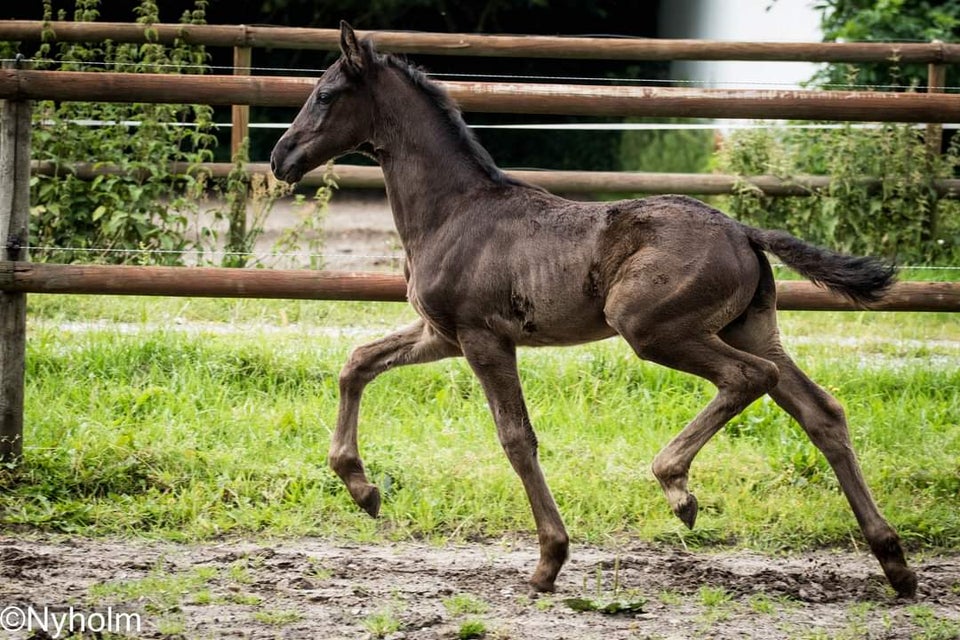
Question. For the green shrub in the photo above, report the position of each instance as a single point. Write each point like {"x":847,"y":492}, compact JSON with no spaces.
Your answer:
{"x":902,"y":219}
{"x":666,"y":150}
{"x":143,"y":206}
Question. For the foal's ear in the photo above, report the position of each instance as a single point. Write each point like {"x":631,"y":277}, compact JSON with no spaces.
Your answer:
{"x":352,"y":52}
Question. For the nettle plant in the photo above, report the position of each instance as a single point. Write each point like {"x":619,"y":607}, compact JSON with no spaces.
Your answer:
{"x":901,"y":218}
{"x":140,"y":212}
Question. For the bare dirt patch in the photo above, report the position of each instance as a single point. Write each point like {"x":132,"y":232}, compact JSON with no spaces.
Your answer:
{"x":314,"y":588}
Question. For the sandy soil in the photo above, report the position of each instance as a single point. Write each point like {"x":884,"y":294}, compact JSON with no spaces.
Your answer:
{"x":313,"y":588}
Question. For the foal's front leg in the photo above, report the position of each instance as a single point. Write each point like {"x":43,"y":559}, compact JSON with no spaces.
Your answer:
{"x":413,"y":344}
{"x":494,"y":362}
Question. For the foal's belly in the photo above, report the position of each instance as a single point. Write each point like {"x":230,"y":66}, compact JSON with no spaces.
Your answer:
{"x":574,"y":320}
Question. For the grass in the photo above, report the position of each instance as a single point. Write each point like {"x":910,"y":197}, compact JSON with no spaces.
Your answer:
{"x":931,"y":626}
{"x":464,"y":604}
{"x":472,"y":629}
{"x":189,"y":433}
{"x":277,"y":617}
{"x":382,"y":623}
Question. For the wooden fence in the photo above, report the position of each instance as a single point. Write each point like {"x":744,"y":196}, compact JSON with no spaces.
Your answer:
{"x":468,"y":44}
{"x":19,"y":86}
{"x":587,"y":182}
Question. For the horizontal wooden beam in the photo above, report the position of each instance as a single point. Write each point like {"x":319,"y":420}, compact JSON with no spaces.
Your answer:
{"x":216,"y":282}
{"x":469,"y":44}
{"x":489,"y":97}
{"x":358,"y":177}
{"x":201,"y":282}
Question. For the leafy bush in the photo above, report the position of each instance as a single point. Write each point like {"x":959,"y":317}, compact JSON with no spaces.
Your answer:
{"x":666,"y":150}
{"x":142,"y":206}
{"x":887,"y":21}
{"x":902,"y":218}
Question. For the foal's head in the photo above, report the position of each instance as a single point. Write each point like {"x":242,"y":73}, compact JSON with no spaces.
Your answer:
{"x":336,"y":118}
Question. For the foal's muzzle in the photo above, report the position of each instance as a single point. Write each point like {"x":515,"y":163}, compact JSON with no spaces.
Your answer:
{"x":283,"y":161}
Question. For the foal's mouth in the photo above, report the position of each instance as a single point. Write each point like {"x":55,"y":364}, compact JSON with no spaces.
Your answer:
{"x":289,"y":172}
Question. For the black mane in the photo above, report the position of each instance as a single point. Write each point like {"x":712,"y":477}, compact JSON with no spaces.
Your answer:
{"x":453,"y":116}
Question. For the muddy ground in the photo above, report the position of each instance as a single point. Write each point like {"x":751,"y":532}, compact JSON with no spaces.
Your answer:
{"x":315,"y":588}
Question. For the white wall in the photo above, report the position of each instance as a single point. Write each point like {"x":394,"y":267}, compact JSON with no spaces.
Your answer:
{"x":744,"y":20}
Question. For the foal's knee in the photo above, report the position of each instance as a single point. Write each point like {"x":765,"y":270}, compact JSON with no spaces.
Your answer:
{"x":355,"y":373}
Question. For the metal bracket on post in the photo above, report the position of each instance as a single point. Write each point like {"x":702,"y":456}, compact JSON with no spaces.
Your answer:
{"x":14,"y":224}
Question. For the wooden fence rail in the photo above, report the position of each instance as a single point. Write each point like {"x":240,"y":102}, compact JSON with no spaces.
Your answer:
{"x":359,"y":177}
{"x":300,"y":284}
{"x":557,"y":99}
{"x":468,"y":44}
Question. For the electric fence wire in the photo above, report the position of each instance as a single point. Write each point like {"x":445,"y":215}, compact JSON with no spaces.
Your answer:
{"x":395,"y":258}
{"x":316,"y":72}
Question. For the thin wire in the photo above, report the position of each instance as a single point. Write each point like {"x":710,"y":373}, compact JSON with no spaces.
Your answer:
{"x":502,"y":77}
{"x":554,"y":126}
{"x":200,"y":252}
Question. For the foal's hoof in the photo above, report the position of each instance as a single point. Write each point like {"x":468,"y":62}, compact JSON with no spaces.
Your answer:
{"x":904,"y":582}
{"x":542,"y":586}
{"x":687,"y":510}
{"x":368,"y":499}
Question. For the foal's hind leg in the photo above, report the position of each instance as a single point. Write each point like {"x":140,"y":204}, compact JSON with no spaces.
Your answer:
{"x":411,"y":345}
{"x":822,"y":418}
{"x":740,"y":379}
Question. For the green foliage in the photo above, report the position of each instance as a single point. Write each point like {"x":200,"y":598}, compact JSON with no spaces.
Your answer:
{"x":143,"y":206}
{"x":465,"y":603}
{"x":902,"y":219}
{"x":382,"y":623}
{"x":613,"y":601}
{"x":472,"y":629}
{"x":887,"y":21}
{"x":670,"y":151}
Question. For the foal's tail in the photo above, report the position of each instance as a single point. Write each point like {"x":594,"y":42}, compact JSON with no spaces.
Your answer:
{"x":862,"y":279}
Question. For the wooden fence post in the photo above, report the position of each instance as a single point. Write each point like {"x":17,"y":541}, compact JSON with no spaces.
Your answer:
{"x":14,"y":223}
{"x":239,"y":153}
{"x":240,"y":113}
{"x":936,"y":81}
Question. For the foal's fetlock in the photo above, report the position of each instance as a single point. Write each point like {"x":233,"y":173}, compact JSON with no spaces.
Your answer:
{"x":674,"y":485}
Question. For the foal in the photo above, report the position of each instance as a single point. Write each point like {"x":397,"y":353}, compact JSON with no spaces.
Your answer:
{"x":493,"y":263}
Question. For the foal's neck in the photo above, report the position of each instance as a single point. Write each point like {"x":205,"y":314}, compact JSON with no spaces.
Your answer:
{"x":429,"y":168}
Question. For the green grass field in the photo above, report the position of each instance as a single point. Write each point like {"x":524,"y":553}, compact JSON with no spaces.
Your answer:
{"x":187,"y":419}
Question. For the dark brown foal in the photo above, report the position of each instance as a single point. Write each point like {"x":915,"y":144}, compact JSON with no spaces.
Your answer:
{"x":493,"y":263}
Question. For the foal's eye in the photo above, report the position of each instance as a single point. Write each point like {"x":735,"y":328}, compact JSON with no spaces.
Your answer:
{"x":324,"y":97}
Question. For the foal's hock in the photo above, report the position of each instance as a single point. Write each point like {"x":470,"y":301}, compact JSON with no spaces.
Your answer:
{"x":493,"y":263}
